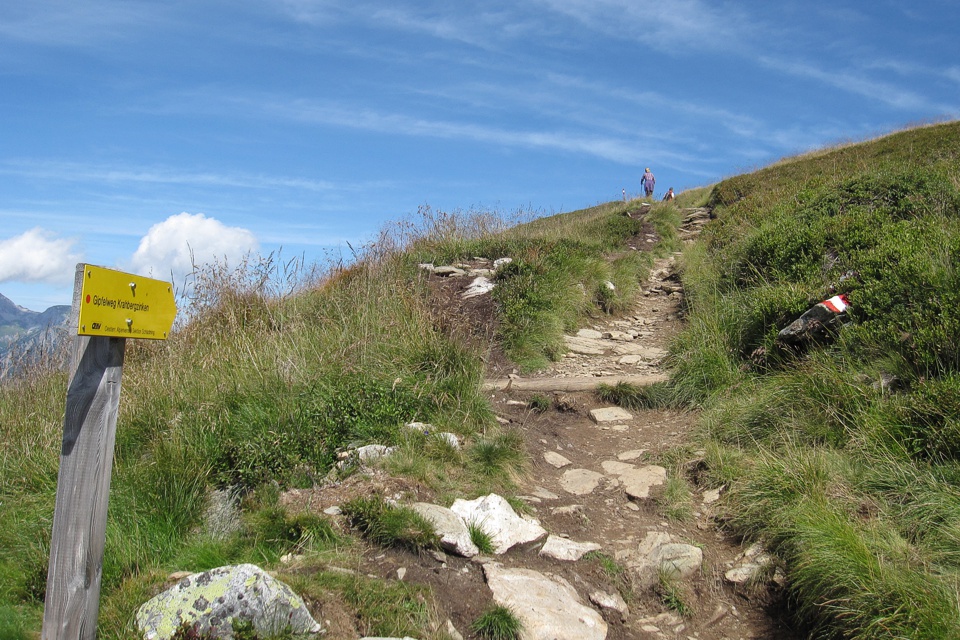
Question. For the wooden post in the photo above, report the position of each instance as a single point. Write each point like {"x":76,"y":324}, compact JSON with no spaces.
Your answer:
{"x":83,"y":484}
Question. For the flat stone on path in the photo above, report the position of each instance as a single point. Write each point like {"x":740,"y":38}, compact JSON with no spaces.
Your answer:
{"x":682,"y":559}
{"x":637,"y":482}
{"x":548,"y":608}
{"x":617,"y":468}
{"x":610,"y":414}
{"x":591,"y":334}
{"x":586,"y":346}
{"x":711,"y":495}
{"x":563,"y":549}
{"x":545,"y":494}
{"x":634,"y":349}
{"x":554,"y":459}
{"x":449,"y":271}
{"x":580,"y":482}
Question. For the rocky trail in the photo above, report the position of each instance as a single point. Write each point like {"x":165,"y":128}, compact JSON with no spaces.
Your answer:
{"x":594,"y":553}
{"x":597,"y":479}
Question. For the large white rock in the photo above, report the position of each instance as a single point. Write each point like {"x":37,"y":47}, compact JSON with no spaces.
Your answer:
{"x":449,"y":271}
{"x":549,"y":608}
{"x":452,"y":530}
{"x":497,"y":518}
{"x":372,"y":452}
{"x":478,"y":287}
{"x":213,"y":599}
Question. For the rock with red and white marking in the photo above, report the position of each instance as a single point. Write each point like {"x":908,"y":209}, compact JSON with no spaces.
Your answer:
{"x":816,"y":321}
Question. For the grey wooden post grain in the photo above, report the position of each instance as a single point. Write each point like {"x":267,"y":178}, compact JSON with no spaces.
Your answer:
{"x":83,"y":484}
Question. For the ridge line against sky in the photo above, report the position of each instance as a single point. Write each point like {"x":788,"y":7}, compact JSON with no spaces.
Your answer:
{"x":146,"y":135}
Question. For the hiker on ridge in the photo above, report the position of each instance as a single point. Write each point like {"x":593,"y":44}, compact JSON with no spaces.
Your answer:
{"x":669,"y":195}
{"x":648,"y":181}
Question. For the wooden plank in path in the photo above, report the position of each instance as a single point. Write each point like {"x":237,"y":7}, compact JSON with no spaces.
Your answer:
{"x":569,"y":384}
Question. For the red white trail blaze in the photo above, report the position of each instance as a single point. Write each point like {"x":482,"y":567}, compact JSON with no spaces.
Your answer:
{"x":837,"y":304}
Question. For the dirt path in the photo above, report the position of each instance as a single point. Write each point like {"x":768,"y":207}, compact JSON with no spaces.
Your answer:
{"x":566,"y":443}
{"x":631,"y":349}
{"x":715,"y":608}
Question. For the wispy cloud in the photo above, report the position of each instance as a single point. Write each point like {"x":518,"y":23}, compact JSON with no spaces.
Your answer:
{"x":62,"y":23}
{"x":84,"y":172}
{"x":332,"y":114}
{"x":885,"y":92}
{"x":697,"y":25}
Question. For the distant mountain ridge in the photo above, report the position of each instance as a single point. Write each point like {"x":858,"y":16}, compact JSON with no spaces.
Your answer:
{"x":28,"y":338}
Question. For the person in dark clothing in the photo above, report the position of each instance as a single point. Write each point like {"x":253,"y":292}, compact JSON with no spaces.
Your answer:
{"x":648,"y":182}
{"x":670,"y":195}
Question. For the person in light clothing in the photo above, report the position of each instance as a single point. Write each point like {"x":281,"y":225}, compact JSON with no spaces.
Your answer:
{"x":648,"y":181}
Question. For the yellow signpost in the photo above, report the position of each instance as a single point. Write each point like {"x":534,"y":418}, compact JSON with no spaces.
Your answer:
{"x":108,"y":306}
{"x":122,"y":305}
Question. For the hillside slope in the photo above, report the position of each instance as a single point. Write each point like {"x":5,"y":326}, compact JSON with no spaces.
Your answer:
{"x":840,"y":451}
{"x":837,"y":456}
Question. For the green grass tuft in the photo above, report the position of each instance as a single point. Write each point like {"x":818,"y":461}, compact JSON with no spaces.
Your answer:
{"x":390,"y":525}
{"x":480,"y":538}
{"x":497,"y":623}
{"x":673,"y":593}
{"x":540,"y":403}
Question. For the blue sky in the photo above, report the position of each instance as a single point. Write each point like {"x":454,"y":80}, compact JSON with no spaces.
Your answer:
{"x":141,"y":135}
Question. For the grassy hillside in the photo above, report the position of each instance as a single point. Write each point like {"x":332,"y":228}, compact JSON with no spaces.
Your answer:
{"x":844,"y":456}
{"x":841,"y":456}
{"x":276,"y":373}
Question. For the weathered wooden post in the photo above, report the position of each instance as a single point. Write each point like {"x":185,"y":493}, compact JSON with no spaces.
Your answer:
{"x":108,"y":307}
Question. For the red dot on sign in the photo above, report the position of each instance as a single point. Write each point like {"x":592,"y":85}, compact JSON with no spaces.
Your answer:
{"x":88,"y":298}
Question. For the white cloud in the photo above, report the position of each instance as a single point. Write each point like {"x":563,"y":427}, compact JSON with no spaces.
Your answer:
{"x":174,"y":246}
{"x":38,"y":256}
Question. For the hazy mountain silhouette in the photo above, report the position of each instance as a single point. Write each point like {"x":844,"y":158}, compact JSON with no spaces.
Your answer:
{"x":29,"y":338}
